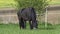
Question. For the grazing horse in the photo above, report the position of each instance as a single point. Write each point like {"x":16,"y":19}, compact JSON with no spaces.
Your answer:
{"x":27,"y":14}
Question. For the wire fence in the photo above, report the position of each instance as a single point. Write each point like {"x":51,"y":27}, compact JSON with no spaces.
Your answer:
{"x":10,"y":16}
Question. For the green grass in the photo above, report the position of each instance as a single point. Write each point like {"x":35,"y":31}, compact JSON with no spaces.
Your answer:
{"x":14,"y":29}
{"x":55,"y":2}
{"x":7,"y":3}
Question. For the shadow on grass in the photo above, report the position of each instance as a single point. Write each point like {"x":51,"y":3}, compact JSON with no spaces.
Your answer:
{"x":49,"y":27}
{"x":46,"y":28}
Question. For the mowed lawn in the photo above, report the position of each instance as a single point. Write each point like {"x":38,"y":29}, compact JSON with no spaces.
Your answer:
{"x":14,"y":29}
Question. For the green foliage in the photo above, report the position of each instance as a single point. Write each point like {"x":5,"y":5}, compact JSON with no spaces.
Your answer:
{"x":39,"y":5}
{"x":12,"y":3}
{"x":7,"y":3}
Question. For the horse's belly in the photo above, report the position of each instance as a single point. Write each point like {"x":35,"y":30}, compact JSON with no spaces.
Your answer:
{"x":26,"y":18}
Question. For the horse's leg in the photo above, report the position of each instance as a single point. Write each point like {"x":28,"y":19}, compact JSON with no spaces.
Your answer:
{"x":20,"y":24}
{"x":24,"y":24}
{"x":31,"y":27}
{"x":19,"y":21}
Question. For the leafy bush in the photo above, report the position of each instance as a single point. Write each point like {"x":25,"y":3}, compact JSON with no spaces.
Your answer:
{"x":39,"y":5}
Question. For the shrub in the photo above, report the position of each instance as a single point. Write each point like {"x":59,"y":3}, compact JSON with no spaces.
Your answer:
{"x":39,"y":5}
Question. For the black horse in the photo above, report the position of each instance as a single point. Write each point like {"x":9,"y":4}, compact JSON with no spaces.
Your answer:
{"x":27,"y":14}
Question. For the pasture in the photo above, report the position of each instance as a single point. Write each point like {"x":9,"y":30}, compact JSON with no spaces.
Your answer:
{"x":14,"y":29}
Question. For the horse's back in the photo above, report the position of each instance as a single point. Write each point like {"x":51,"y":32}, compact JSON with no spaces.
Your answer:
{"x":27,"y":13}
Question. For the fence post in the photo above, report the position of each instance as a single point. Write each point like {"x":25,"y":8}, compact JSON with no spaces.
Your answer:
{"x":46,"y":17}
